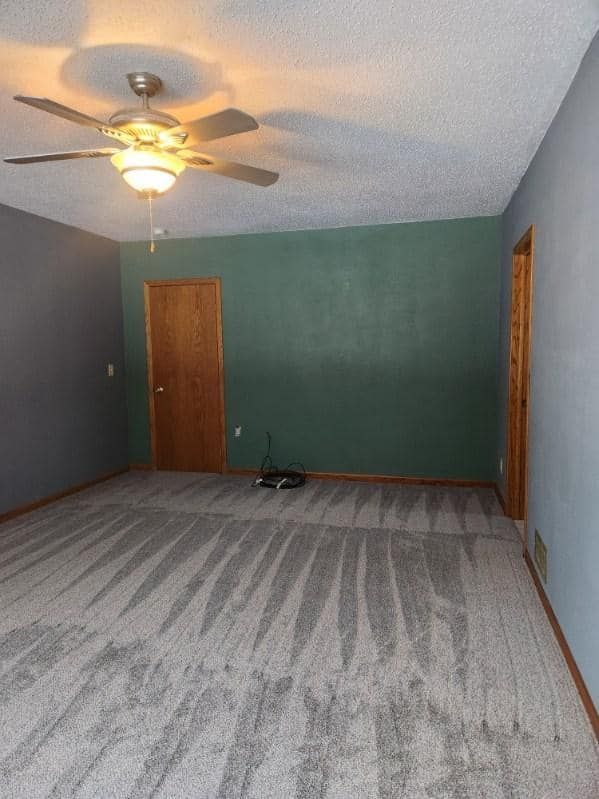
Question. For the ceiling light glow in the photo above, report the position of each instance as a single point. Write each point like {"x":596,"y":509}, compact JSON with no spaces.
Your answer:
{"x":149,"y":170}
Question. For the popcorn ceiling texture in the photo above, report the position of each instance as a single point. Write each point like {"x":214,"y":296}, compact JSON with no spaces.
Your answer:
{"x":371,"y":111}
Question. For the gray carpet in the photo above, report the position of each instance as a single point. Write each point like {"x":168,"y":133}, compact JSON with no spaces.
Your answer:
{"x":179,"y":635}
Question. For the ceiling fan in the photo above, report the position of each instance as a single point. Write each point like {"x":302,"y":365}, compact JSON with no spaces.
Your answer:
{"x":157,"y":145}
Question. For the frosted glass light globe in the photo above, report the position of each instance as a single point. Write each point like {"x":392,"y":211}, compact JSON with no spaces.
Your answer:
{"x":148,"y":169}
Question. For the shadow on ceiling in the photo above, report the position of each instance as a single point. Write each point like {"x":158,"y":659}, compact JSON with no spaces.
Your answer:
{"x":318,"y":138}
{"x":102,"y":70}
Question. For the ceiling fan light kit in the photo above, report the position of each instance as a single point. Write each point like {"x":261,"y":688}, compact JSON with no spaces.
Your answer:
{"x":149,"y":170}
{"x":153,"y":158}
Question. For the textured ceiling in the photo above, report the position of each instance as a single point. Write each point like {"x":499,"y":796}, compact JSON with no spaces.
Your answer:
{"x":372,"y":111}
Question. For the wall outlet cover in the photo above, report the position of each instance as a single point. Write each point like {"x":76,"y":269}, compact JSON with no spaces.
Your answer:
{"x":237,"y":430}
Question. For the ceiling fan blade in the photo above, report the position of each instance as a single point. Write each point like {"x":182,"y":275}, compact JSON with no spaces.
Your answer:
{"x":229,"y":169}
{"x":215,"y":126}
{"x":36,"y":159}
{"x":75,"y":116}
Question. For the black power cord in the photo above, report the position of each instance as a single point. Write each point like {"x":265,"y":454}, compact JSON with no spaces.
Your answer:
{"x":270,"y":476}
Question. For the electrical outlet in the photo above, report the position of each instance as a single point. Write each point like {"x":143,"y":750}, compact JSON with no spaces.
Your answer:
{"x":110,"y":369}
{"x":237,"y":430}
{"x":500,"y":465}
{"x":541,"y":556}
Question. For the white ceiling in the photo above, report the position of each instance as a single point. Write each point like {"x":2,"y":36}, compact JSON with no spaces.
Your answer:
{"x":373,"y":111}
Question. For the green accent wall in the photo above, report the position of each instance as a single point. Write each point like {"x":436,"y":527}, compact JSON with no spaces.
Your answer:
{"x":364,"y":349}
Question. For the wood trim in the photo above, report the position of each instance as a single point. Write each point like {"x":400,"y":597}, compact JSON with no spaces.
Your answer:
{"x":187,"y":281}
{"x":149,"y":381}
{"x":382,"y":478}
{"x":221,"y":369}
{"x":39,"y":503}
{"x":528,"y":240}
{"x":519,"y":365}
{"x":583,"y":691}
{"x":216,"y":282}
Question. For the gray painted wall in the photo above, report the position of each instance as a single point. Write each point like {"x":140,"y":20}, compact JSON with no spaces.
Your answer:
{"x":560,"y":195}
{"x":62,"y":419}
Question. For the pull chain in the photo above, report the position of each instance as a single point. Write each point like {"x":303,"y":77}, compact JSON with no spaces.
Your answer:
{"x":152,"y":243}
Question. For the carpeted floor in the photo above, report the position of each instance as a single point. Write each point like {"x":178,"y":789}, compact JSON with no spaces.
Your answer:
{"x":180,"y":635}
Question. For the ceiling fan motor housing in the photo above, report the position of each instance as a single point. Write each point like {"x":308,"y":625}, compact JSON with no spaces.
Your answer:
{"x":144,"y":124}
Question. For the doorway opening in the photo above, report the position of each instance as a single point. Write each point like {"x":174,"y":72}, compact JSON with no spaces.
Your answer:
{"x":185,"y":374}
{"x":519,"y":379}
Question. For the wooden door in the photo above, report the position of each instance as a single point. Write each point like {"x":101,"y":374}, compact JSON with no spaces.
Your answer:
{"x":519,"y":380}
{"x":185,"y":374}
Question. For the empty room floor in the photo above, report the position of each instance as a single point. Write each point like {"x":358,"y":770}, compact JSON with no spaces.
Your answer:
{"x":186,"y":635}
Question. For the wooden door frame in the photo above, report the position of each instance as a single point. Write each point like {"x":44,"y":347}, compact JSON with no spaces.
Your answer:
{"x":519,"y":387}
{"x":194,"y":281}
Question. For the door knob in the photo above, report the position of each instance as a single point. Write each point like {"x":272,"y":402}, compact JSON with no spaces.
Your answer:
{"x":158,"y":389}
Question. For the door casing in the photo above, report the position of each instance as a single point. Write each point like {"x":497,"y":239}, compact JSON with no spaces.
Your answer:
{"x":517,"y":470}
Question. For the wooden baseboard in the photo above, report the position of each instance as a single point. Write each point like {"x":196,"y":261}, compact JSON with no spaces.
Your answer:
{"x":583,"y":691}
{"x":381,"y":478}
{"x":144,"y":467}
{"x":39,"y":503}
